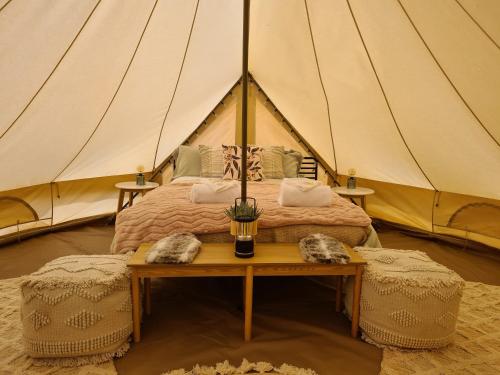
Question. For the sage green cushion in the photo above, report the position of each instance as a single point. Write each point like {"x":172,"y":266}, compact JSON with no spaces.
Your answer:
{"x":187,"y":162}
{"x":292,"y":161}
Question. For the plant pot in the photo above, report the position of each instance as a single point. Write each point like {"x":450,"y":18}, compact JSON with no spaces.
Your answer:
{"x":244,"y":233}
{"x":139,"y":179}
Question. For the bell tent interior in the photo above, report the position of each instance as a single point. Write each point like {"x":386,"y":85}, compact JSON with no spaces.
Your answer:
{"x":405,"y":92}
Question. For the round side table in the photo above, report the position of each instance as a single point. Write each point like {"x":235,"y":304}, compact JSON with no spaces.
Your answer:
{"x":131,"y":187}
{"x":359,"y":192}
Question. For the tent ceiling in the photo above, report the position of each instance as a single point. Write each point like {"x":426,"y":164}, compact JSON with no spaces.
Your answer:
{"x":405,"y":91}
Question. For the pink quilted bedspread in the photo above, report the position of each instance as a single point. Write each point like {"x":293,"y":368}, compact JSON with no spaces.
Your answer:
{"x":168,"y":210}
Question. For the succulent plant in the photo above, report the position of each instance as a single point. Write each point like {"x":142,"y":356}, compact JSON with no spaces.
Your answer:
{"x":243,"y":211}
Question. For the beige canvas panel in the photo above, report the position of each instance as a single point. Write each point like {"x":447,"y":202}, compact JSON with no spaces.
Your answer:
{"x":167,"y":174}
{"x":468,"y":217}
{"x":220,"y":128}
{"x":399,"y":204}
{"x":33,"y":37}
{"x":3,"y":3}
{"x":24,"y":227}
{"x":89,"y":197}
{"x":472,"y":214}
{"x":477,"y":237}
{"x":139,"y":107}
{"x":467,"y":56}
{"x":67,"y":110}
{"x":213,"y":65}
{"x":281,"y":59}
{"x":37,"y":197}
{"x":14,"y":211}
{"x":270,"y":129}
{"x":361,"y":119}
{"x":486,"y":13}
{"x":442,"y":133}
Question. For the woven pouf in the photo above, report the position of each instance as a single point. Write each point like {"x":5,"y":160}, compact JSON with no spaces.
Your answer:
{"x":77,"y":310}
{"x":407,"y":299}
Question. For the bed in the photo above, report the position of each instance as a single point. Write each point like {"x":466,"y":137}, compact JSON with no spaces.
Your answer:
{"x":167,"y":210}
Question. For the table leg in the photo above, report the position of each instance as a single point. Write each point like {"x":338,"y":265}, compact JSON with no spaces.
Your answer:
{"x":120,"y":201}
{"x":248,"y":303}
{"x":356,"y":300}
{"x":147,"y":295}
{"x":338,"y":294}
{"x":136,"y":306}
{"x":130,"y":198}
{"x":363,"y":202}
{"x":244,"y":292}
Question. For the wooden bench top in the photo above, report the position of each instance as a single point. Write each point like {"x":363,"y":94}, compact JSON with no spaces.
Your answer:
{"x":220,"y":254}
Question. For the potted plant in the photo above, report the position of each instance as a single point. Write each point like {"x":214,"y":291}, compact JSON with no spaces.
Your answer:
{"x":351,"y":180}
{"x":244,"y":215}
{"x":139,"y":177}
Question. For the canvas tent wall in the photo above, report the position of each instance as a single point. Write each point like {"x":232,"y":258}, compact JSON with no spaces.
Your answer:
{"x":405,"y":91}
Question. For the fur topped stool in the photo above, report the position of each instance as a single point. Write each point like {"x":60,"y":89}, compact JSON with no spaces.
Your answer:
{"x":407,"y":299}
{"x":77,"y":310}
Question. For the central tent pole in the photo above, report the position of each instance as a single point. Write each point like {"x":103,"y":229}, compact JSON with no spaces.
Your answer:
{"x":244,"y":102}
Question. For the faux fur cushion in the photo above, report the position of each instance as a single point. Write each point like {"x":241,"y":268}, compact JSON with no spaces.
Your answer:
{"x":176,"y":248}
{"x":232,"y":156}
{"x":318,"y":248}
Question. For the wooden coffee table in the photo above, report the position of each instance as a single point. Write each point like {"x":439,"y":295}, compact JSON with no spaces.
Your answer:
{"x":217,"y":259}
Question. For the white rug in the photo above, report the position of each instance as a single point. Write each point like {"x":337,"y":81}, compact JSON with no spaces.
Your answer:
{"x":477,"y":344}
{"x":246,"y":368}
{"x":12,"y":357}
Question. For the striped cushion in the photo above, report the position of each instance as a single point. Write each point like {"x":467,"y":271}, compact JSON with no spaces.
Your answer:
{"x":272,"y":162}
{"x":212,"y":164}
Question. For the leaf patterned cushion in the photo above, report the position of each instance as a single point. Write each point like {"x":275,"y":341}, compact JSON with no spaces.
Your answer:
{"x":254,"y":163}
{"x":232,"y":156}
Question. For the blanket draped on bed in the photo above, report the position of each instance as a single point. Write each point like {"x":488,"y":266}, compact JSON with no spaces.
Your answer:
{"x":167,"y":210}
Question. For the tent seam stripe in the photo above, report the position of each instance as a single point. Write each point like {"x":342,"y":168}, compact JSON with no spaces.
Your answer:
{"x":158,"y":169}
{"x":114,"y":95}
{"x":322,"y":84}
{"x":478,"y":25}
{"x":53,"y":70}
{"x":296,"y":134}
{"x":446,"y":75}
{"x":7,"y":3}
{"x":176,"y":83}
{"x":385,"y":95}
{"x":51,"y":203}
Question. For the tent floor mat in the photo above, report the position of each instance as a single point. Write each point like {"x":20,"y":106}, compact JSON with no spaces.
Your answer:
{"x":200,"y":320}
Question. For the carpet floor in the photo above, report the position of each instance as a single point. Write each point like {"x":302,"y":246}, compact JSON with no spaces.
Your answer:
{"x":200,"y":320}
{"x":476,"y":350}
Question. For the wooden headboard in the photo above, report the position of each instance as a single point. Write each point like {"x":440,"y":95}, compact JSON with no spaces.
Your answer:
{"x":309,"y":168}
